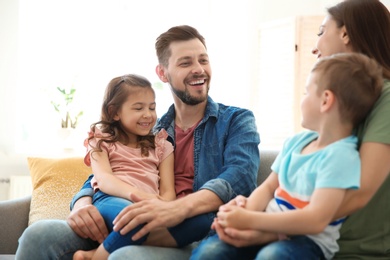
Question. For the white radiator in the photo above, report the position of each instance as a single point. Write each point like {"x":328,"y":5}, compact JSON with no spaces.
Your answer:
{"x":4,"y":188}
{"x":20,"y":186}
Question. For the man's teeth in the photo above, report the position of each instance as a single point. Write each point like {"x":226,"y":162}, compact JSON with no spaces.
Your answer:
{"x":197,"y":82}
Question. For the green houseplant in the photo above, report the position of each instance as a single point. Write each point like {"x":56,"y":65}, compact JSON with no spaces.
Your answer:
{"x":69,"y":118}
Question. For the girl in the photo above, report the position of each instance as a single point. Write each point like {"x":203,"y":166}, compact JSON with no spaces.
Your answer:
{"x":126,"y":158}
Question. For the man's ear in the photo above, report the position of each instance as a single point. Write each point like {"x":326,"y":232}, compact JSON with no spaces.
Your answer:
{"x":344,"y":35}
{"x":327,"y":100}
{"x":160,"y":71}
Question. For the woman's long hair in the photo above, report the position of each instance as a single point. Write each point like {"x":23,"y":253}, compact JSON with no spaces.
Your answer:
{"x":368,"y":26}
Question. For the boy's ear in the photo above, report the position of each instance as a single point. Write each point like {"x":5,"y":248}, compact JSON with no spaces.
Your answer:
{"x":327,"y":100}
{"x":160,"y":71}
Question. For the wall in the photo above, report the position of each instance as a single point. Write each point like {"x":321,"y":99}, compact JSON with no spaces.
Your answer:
{"x":233,"y":45}
{"x":10,"y":162}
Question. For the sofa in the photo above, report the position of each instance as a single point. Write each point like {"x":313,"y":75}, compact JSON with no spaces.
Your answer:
{"x":17,"y":214}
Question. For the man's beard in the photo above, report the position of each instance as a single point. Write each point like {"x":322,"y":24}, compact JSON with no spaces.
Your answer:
{"x":186,"y":97}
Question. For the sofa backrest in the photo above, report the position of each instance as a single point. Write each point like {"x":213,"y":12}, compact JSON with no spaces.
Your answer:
{"x":267,"y":157}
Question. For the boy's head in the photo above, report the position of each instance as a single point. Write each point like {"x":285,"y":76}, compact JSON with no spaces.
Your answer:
{"x":354,"y":79}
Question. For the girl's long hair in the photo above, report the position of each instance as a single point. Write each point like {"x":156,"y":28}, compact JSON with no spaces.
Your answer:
{"x":117,"y":91}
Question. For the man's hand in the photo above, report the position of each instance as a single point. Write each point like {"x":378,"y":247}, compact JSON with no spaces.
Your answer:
{"x":243,"y":238}
{"x":87,"y":222}
{"x":154,"y":213}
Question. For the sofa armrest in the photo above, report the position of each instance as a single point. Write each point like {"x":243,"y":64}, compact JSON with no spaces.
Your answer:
{"x":13,"y":221}
{"x":267,"y":157}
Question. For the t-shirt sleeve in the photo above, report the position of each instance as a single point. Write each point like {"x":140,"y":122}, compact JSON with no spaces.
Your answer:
{"x":339,"y":168}
{"x":376,"y":127}
{"x":163,"y":147}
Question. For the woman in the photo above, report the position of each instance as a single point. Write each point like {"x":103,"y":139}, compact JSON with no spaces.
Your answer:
{"x":354,"y":26}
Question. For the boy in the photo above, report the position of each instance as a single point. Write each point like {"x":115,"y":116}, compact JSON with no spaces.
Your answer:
{"x":312,"y":172}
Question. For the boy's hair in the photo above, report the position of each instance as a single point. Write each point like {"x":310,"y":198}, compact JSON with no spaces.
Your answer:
{"x":117,"y":91}
{"x":177,"y":33}
{"x":356,"y":81}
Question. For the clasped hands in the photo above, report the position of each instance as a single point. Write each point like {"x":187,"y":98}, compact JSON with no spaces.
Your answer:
{"x":231,"y":226}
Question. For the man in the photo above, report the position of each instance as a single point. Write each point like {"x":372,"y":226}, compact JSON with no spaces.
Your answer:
{"x":216,"y":159}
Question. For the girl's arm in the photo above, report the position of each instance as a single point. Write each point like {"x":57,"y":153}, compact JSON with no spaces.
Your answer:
{"x":167,"y":178}
{"x":109,"y":183}
{"x":312,"y":219}
{"x":263,"y":194}
{"x":375,"y":169}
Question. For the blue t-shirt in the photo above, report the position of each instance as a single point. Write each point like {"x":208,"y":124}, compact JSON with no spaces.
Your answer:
{"x":335,"y":166}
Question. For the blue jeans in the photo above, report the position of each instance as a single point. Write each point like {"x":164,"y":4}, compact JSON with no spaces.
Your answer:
{"x":54,"y":239}
{"x":109,"y":207}
{"x":51,"y":239}
{"x":297,"y":247}
{"x":190,"y":230}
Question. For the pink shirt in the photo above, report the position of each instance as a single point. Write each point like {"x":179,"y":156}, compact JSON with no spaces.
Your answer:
{"x":128,"y":164}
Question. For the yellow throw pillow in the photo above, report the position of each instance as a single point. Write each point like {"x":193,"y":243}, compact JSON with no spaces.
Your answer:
{"x":54,"y":181}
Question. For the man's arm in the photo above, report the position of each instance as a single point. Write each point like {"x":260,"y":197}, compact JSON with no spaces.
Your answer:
{"x":157,"y":213}
{"x":240,"y":158}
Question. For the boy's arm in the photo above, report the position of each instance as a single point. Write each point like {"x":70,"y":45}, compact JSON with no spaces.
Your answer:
{"x":263,"y":194}
{"x":167,"y":178}
{"x":312,"y":219}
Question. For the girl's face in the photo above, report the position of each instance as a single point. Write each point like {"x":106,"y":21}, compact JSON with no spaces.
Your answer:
{"x":331,"y":39}
{"x":138,"y":114}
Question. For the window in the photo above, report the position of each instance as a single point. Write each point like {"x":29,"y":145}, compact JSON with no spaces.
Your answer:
{"x":86,"y":43}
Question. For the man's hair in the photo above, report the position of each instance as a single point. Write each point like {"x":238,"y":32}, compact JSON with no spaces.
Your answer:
{"x":356,"y":81}
{"x":177,"y":33}
{"x":368,"y":26}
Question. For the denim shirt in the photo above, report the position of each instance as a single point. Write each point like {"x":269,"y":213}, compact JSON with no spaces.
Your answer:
{"x":226,"y":151}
